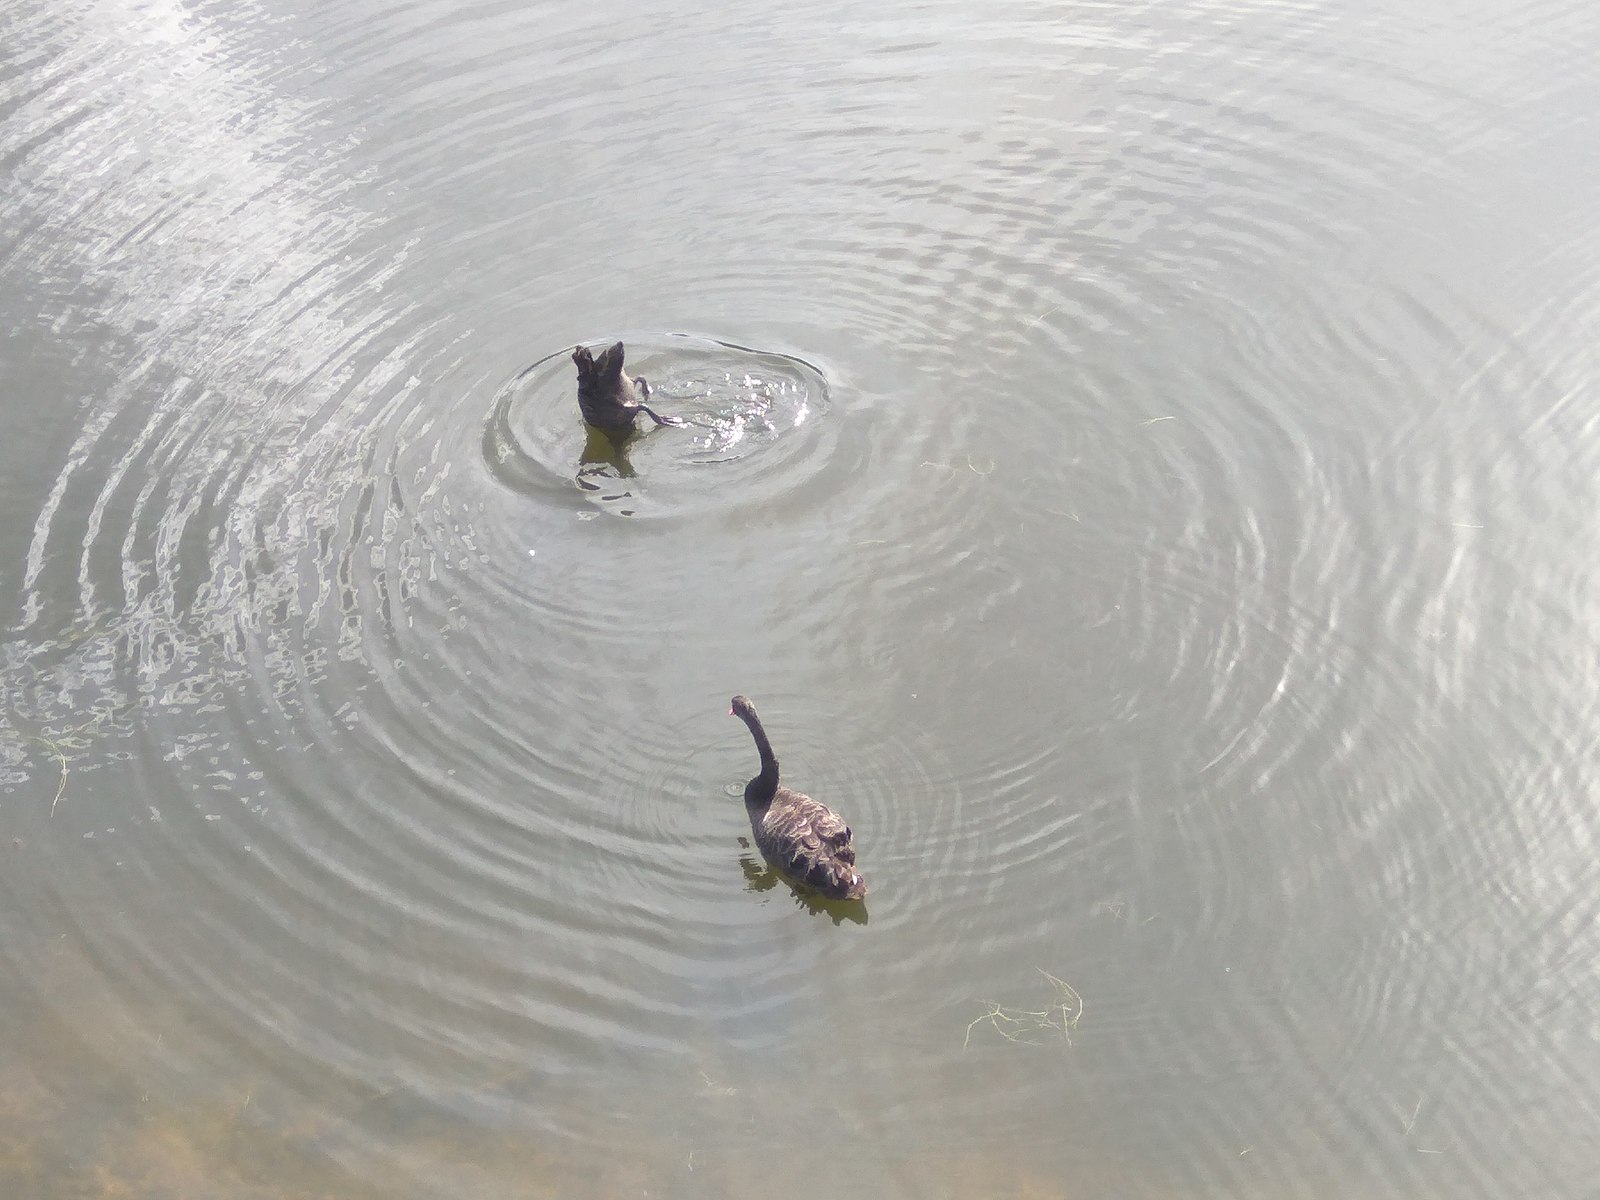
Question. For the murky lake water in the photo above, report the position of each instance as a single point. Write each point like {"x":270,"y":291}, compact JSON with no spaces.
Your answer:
{"x":1143,"y":459}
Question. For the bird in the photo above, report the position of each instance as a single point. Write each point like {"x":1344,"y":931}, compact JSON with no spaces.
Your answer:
{"x":609,"y":399}
{"x":803,"y":838}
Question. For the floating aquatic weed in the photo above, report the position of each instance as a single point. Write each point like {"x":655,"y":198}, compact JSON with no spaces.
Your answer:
{"x":1031,"y":1026}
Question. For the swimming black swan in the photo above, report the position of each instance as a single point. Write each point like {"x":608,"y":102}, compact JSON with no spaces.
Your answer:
{"x":611,"y":400}
{"x":802,"y":837}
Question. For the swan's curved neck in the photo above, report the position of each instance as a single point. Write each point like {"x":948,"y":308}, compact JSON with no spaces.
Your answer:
{"x":762,"y":787}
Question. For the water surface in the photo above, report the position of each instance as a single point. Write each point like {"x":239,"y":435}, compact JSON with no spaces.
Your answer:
{"x":1141,"y":459}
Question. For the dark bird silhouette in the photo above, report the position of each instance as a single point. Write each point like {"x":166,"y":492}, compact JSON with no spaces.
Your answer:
{"x":609,"y":398}
{"x":801,"y":837}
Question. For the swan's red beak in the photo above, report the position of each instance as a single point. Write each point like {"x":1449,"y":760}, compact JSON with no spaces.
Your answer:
{"x":731,"y":713}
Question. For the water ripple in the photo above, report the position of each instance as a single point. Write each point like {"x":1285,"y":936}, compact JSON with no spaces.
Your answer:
{"x":757,"y":426}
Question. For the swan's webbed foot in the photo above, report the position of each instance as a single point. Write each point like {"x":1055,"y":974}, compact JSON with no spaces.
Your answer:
{"x":658,"y":418}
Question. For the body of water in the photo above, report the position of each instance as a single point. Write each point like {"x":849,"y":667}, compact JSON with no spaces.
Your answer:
{"x":1142,"y":459}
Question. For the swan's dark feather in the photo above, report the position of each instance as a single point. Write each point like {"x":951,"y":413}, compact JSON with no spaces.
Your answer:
{"x":608,"y":398}
{"x":808,"y":840}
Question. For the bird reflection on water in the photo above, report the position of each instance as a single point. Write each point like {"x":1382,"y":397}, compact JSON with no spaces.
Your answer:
{"x":601,"y":456}
{"x":760,"y":876}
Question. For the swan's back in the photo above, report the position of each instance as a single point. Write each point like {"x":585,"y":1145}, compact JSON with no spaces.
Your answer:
{"x":806,"y":839}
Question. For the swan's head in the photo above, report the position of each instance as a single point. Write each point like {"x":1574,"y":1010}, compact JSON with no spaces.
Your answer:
{"x":741,"y":707}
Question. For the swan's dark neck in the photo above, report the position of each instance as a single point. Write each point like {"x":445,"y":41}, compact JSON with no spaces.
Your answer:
{"x":764,"y":786}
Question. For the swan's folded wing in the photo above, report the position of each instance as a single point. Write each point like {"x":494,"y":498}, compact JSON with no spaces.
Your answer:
{"x":829,"y":825}
{"x":810,"y":841}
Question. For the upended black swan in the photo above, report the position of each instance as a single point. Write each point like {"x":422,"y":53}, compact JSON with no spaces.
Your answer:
{"x":802,"y":837}
{"x":611,"y":400}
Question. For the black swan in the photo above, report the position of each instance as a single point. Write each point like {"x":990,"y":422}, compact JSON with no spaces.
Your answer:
{"x":611,"y":400}
{"x":802,"y":837}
